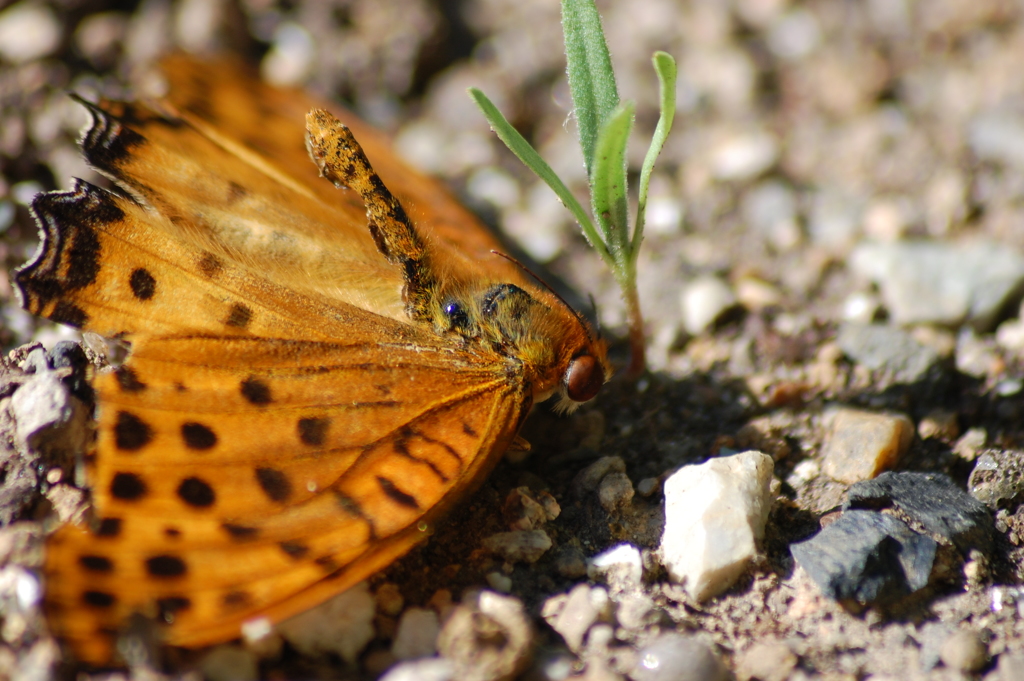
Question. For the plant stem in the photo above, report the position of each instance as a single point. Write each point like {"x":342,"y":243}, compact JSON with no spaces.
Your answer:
{"x":637,"y":348}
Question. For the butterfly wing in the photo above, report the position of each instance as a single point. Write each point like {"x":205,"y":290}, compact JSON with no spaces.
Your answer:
{"x":270,"y":441}
{"x":241,"y":476}
{"x":270,"y":124}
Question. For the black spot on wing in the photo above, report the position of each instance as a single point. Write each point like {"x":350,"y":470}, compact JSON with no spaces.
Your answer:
{"x":313,"y":430}
{"x":198,"y":436}
{"x":196,"y":492}
{"x":240,"y":532}
{"x":166,"y":566}
{"x":128,"y":380}
{"x":256,"y":391}
{"x":130,"y":432}
{"x":239,"y":316}
{"x":98,"y":599}
{"x":94,"y":563}
{"x":209,"y":265}
{"x":127,"y":486}
{"x":142,"y":283}
{"x":294,"y":549}
{"x":108,"y":527}
{"x":169,"y":606}
{"x":237,"y":599}
{"x":274,"y":484}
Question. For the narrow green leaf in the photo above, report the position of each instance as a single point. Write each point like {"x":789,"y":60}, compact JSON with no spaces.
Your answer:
{"x":589,"y":68}
{"x":665,"y":67}
{"x":608,"y":184}
{"x":518,"y":145}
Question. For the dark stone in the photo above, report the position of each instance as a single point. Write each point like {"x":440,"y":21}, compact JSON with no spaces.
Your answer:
{"x":932,"y":500}
{"x":867,"y":557}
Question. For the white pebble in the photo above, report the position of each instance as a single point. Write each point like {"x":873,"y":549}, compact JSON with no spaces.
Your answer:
{"x":342,"y":625}
{"x":28,"y":31}
{"x":703,"y":301}
{"x":430,"y":669}
{"x":417,"y":634}
{"x":715,"y":513}
{"x":621,"y":565}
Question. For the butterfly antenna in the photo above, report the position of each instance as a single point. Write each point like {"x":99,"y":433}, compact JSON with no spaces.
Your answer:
{"x":577,"y":315}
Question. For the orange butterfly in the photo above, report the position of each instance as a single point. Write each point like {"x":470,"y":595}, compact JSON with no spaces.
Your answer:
{"x":315,"y":375}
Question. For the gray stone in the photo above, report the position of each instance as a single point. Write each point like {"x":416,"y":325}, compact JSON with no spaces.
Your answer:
{"x":998,"y":478}
{"x":998,"y":136}
{"x":943,"y":283}
{"x":674,"y":657}
{"x":888,"y":349}
{"x":867,"y":557}
{"x":932,"y":500}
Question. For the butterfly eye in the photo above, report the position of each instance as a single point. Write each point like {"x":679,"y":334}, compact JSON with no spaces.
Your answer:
{"x":583,"y":378}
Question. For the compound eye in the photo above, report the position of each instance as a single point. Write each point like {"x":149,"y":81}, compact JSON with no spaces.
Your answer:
{"x":583,"y":378}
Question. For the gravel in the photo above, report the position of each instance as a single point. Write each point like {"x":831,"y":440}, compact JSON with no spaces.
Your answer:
{"x":852,"y":173}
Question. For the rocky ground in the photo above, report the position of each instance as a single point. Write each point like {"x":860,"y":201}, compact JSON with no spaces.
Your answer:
{"x":832,"y":276}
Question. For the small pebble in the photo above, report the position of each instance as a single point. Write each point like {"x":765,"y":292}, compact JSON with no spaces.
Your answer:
{"x":520,"y":546}
{"x":28,"y":31}
{"x":620,"y":567}
{"x":862,"y":444}
{"x":633,"y":610}
{"x":766,"y":661}
{"x":744,"y":156}
{"x":704,"y":300}
{"x":429,"y":669}
{"x":342,"y":625}
{"x":487,"y":637}
{"x":615,"y":492}
{"x":674,"y":657}
{"x":573,"y":614}
{"x":417,"y":634}
{"x":939,"y":424}
{"x":588,"y":479}
{"x":389,"y":599}
{"x":997,"y":479}
{"x":500,"y":582}
{"x":965,"y":651}
{"x":648,"y":486}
